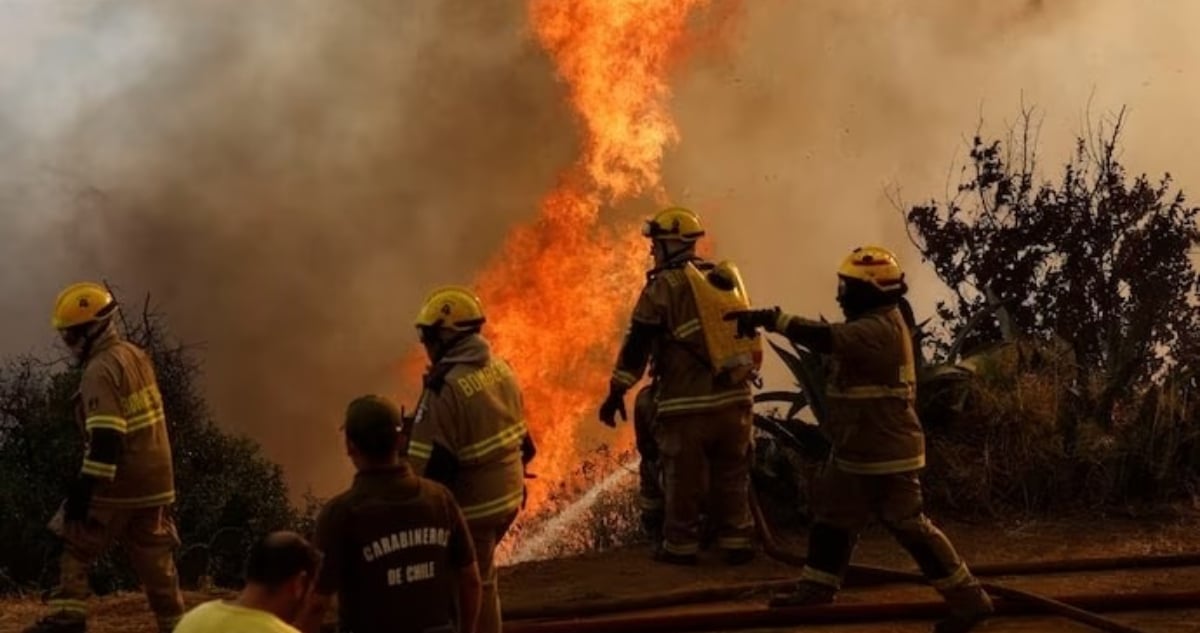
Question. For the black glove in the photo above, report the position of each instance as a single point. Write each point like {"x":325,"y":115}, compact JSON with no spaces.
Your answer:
{"x":79,"y":498}
{"x":613,"y":404}
{"x":748,"y":321}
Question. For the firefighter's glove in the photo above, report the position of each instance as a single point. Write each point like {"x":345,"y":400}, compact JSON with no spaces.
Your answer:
{"x":613,"y":404}
{"x":748,"y":321}
{"x":79,"y":498}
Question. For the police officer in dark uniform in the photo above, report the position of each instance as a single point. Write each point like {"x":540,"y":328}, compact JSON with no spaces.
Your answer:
{"x":398,"y":553}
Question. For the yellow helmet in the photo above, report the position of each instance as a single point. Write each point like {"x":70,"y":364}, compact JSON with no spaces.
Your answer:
{"x":82,"y":303}
{"x":875,"y":265}
{"x":674,"y":223}
{"x":454,"y":308}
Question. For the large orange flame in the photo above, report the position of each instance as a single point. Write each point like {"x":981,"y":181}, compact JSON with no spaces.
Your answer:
{"x":559,"y":292}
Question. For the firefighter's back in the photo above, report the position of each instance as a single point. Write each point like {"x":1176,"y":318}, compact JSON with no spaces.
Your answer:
{"x":491,"y":476}
{"x":145,"y":476}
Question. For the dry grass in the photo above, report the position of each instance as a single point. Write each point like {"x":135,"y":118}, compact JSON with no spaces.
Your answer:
{"x":1018,"y":447}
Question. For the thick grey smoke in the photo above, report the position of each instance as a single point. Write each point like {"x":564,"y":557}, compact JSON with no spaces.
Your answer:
{"x":286,"y":179}
{"x":791,"y":144}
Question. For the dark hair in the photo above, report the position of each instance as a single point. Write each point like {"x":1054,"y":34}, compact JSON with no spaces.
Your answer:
{"x":373,"y":426}
{"x":278,"y":557}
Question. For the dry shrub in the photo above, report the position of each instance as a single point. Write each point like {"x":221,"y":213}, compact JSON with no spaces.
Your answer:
{"x":1024,"y":444}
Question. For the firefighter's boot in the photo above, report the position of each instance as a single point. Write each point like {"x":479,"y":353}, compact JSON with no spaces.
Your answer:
{"x":58,"y":623}
{"x":806,"y":594}
{"x":662,"y":555}
{"x":969,"y":605}
{"x":652,"y":525}
{"x":738,"y":556}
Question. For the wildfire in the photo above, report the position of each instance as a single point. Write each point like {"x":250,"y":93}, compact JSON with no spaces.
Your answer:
{"x":559,"y":292}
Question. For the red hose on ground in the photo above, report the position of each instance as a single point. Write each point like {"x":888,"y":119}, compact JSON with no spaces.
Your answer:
{"x":746,"y":618}
{"x":855,"y":578}
{"x":1040,"y":603}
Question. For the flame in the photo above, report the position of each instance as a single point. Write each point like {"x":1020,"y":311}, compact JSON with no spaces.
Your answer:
{"x":559,"y":293}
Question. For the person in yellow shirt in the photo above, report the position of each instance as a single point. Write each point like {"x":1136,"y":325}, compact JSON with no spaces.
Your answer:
{"x":280,"y":571}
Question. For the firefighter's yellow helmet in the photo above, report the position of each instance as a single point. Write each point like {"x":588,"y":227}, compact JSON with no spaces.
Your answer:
{"x":82,"y":303}
{"x":454,"y":308}
{"x":874,"y":265}
{"x":674,"y":223}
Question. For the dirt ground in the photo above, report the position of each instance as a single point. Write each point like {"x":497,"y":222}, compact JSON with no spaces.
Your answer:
{"x":629,"y":572}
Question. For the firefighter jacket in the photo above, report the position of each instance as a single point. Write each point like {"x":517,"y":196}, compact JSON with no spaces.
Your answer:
{"x":870,"y":392}
{"x":471,"y":408}
{"x":119,"y":395}
{"x":685,"y":380}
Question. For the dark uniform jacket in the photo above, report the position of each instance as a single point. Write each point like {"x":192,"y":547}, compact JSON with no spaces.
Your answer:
{"x":393,"y":545}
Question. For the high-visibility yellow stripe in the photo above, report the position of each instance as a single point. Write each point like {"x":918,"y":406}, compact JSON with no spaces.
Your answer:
{"x":146,"y":420}
{"x":506,"y":503}
{"x":735,"y":542}
{"x":420,"y":450}
{"x":147,"y":501}
{"x":113,"y":422}
{"x":99,"y":469}
{"x":953,"y":581}
{"x":651,"y":503}
{"x":687,"y":328}
{"x":782,"y":322}
{"x":624,"y":378}
{"x":70,"y":606}
{"x":681,"y":549}
{"x":870,"y":392}
{"x":812,"y":574}
{"x":881,"y":468}
{"x":677,"y":405}
{"x":506,"y":437}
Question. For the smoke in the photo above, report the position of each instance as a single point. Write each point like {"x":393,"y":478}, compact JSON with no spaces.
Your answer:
{"x":286,"y":180}
{"x":823,"y":110}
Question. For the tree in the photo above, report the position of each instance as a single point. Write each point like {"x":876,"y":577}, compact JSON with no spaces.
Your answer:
{"x":1098,"y":260}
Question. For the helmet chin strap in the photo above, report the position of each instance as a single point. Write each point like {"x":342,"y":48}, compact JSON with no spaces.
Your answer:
{"x":94,"y":332}
{"x":438,"y":346}
{"x":858,"y":297}
{"x":665,"y":257}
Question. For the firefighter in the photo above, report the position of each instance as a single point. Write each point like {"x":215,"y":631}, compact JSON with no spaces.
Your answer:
{"x":397,"y":550}
{"x":469,"y":431}
{"x":702,"y":374}
{"x":878,"y":443}
{"x":125,"y":486}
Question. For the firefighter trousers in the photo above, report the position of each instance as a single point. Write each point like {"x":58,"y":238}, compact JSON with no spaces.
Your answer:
{"x":843,"y":504}
{"x":487,"y":533}
{"x":707,"y":452}
{"x":650,"y":491}
{"x":149,"y":538}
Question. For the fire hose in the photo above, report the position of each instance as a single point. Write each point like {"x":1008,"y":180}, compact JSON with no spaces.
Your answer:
{"x":1048,"y":605}
{"x":743,"y":590}
{"x":1080,"y":608}
{"x":758,"y":617}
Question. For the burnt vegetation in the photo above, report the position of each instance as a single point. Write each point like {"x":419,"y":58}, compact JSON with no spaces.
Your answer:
{"x":1060,"y":373}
